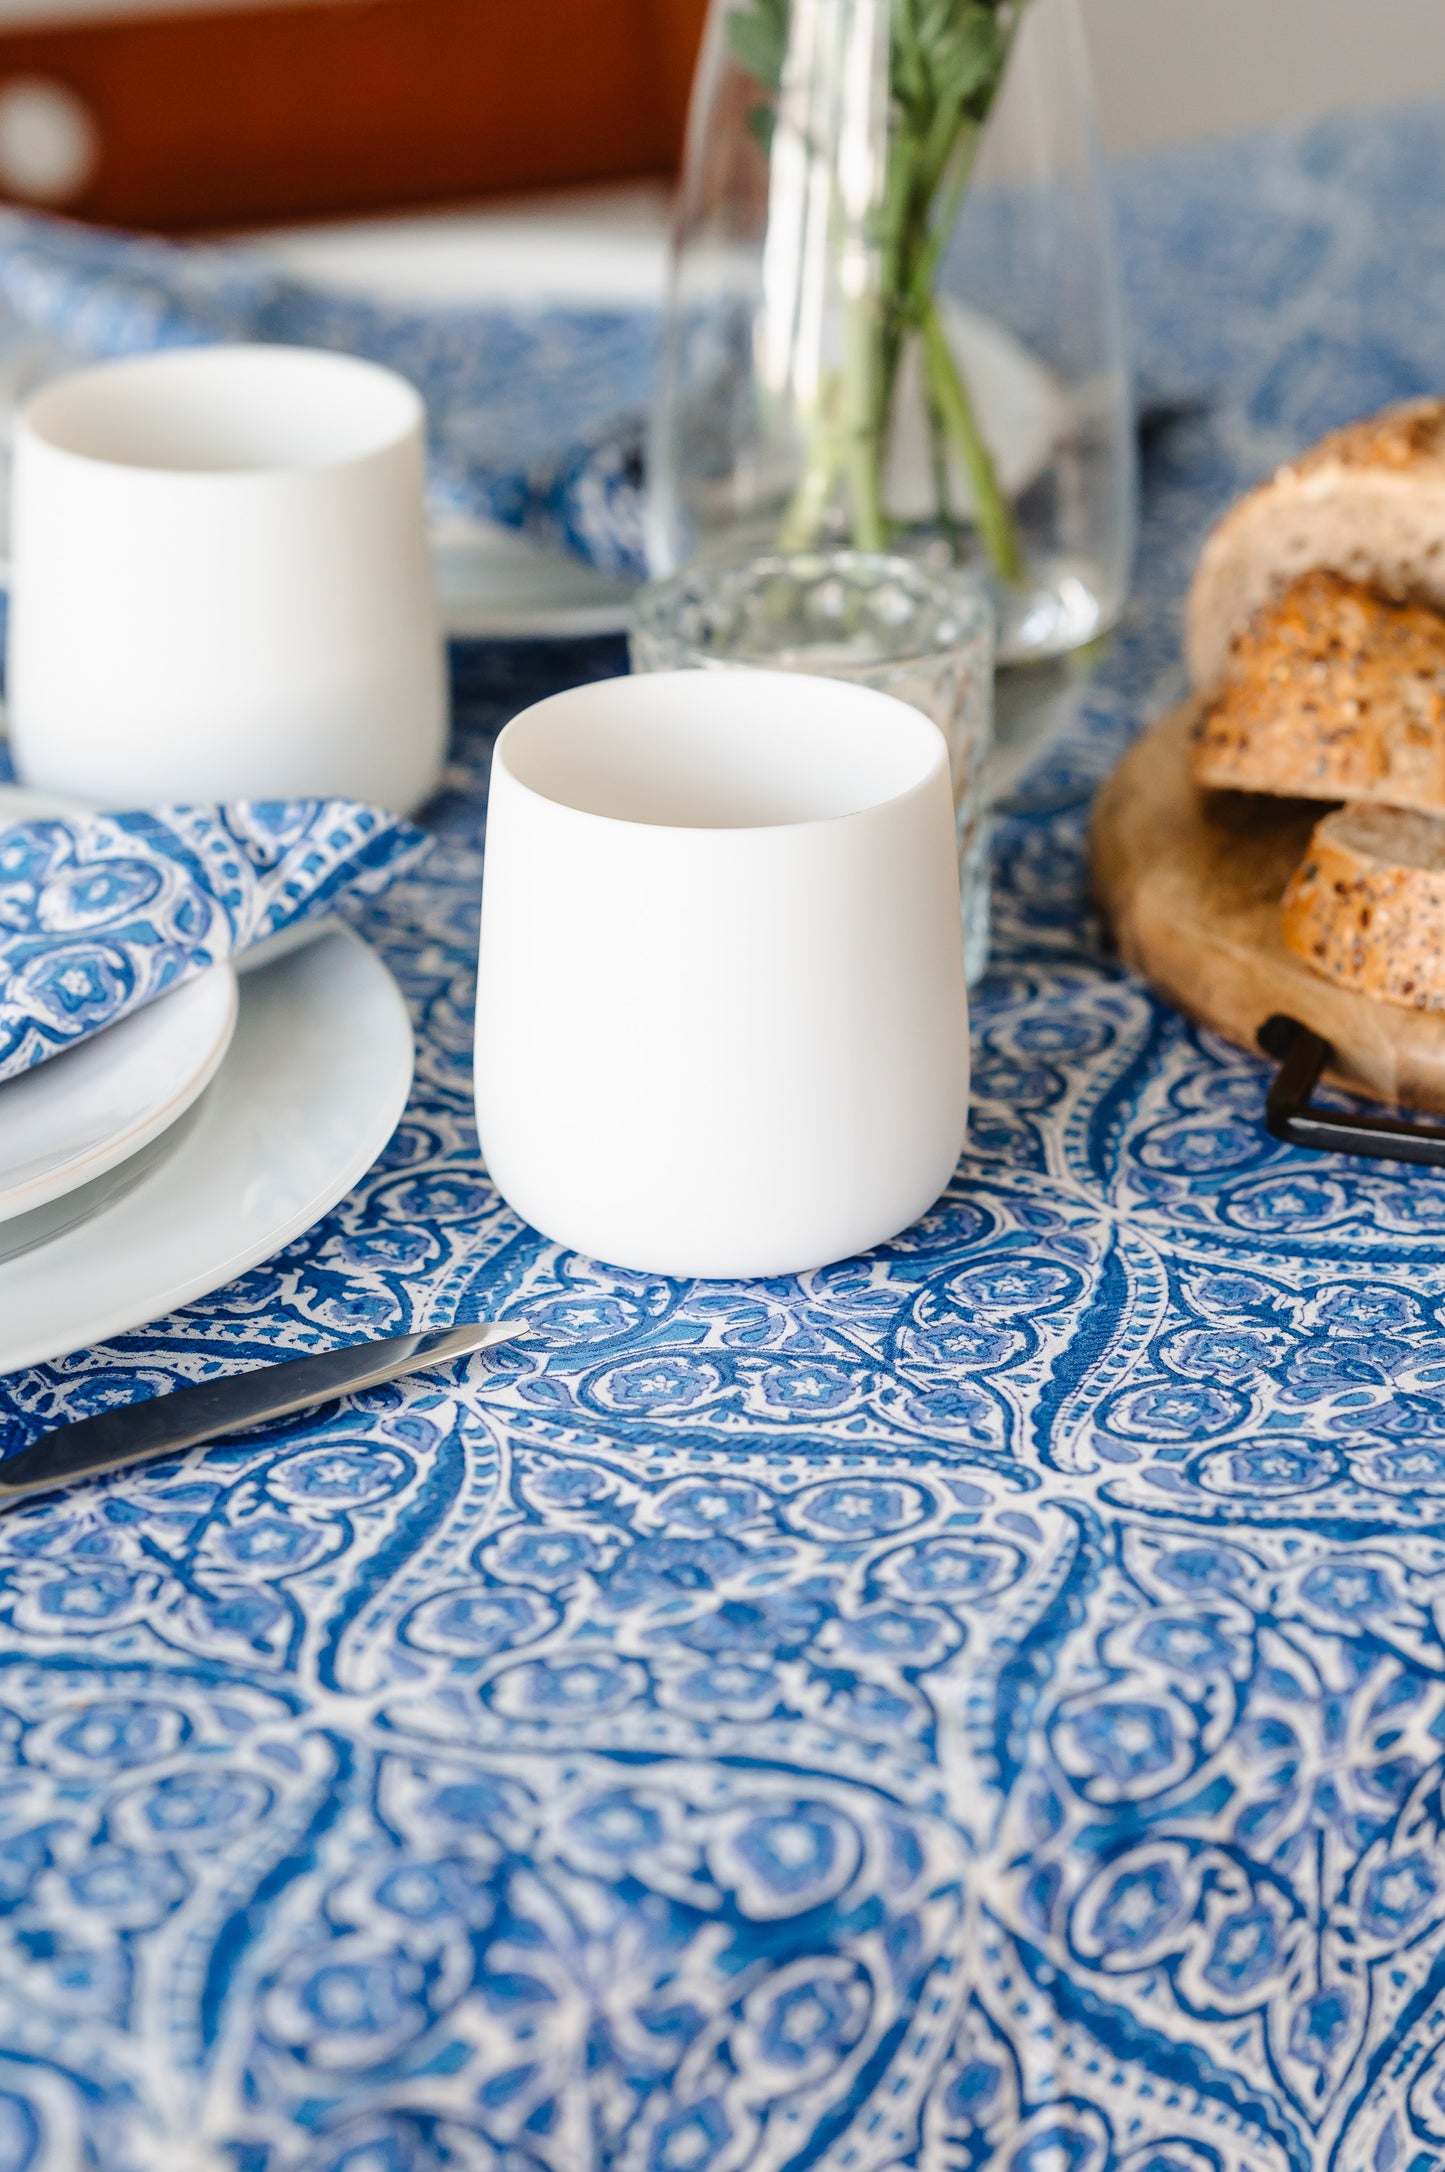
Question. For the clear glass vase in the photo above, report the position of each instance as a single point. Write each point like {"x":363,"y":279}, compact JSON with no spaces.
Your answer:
{"x":894,"y":316}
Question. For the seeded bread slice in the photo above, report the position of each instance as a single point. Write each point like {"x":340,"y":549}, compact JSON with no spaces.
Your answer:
{"x":1331,"y":692}
{"x":1367,"y":906}
{"x":1368,"y":502}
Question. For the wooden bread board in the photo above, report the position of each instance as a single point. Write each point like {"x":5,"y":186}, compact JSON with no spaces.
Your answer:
{"x":1190,"y":884}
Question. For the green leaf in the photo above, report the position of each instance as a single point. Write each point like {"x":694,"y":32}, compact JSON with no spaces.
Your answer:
{"x":758,"y":40}
{"x":968,"y":86}
{"x":966,"y":52}
{"x":908,"y":71}
{"x":761,"y":122}
{"x":967,"y":58}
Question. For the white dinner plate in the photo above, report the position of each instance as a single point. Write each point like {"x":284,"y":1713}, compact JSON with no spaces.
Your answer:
{"x":311,"y":1088}
{"x":67,"y":1121}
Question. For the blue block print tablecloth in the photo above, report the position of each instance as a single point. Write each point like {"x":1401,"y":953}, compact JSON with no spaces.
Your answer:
{"x":977,"y":1709}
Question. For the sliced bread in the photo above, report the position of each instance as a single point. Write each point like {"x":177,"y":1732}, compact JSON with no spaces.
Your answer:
{"x":1368,"y":502}
{"x":1331,"y":692}
{"x":1367,"y":906}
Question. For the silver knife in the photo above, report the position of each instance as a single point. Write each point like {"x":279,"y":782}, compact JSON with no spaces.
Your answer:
{"x":164,"y":1424}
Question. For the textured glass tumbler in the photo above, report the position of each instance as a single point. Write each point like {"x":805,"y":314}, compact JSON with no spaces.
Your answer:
{"x":924,"y":636}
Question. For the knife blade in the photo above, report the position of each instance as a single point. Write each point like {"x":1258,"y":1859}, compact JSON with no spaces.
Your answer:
{"x":187,"y":1417}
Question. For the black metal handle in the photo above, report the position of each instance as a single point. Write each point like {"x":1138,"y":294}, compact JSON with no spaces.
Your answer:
{"x":1302,"y":1055}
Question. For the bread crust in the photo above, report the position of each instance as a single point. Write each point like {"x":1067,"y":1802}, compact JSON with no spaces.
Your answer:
{"x":1366,"y":907}
{"x":1331,"y":692}
{"x":1368,"y":502}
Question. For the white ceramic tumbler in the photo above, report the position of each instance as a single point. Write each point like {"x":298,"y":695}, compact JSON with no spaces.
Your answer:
{"x":721,"y":1020}
{"x":221,"y":585}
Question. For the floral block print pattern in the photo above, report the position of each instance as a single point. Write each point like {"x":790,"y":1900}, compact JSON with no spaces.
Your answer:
{"x":100,"y":914}
{"x":978,"y":1708}
{"x":534,"y":412}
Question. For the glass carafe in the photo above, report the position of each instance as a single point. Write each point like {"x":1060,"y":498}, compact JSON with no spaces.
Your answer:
{"x":894,"y":316}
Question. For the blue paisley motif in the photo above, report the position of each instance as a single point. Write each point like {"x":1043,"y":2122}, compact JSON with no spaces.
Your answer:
{"x":101,"y":914}
{"x":978,"y":1708}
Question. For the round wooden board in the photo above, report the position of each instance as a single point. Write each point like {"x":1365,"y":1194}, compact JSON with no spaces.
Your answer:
{"x":1190,"y":883}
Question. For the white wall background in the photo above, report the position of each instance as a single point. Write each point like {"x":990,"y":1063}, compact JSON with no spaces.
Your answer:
{"x":1170,"y":70}
{"x":1166,"y":70}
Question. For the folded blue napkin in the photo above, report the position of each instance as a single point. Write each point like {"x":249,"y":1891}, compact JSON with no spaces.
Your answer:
{"x":100,"y":914}
{"x":533,"y":413}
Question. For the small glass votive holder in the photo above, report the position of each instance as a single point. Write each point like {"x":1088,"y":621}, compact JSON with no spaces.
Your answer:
{"x":923,"y":635}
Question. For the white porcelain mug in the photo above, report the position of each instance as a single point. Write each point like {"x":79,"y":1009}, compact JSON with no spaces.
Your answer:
{"x":721,"y":1020}
{"x":221,"y":585}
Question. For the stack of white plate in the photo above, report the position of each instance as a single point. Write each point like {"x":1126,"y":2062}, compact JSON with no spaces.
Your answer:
{"x":175,"y":1149}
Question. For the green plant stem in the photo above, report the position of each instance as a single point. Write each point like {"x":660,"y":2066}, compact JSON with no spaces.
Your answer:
{"x":943,"y":81}
{"x":942,"y":481}
{"x":937,"y":224}
{"x":802,"y":524}
{"x":992,"y":510}
{"x":843,"y":445}
{"x":863,"y":445}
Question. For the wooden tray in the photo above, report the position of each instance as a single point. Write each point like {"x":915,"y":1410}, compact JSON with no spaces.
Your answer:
{"x":1190,"y":883}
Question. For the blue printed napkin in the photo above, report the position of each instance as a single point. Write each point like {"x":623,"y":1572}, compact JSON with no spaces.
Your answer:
{"x":533,"y":413}
{"x":100,"y":914}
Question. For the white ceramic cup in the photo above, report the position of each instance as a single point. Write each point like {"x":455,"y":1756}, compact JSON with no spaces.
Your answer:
{"x":721,"y":1020}
{"x":220,"y":583}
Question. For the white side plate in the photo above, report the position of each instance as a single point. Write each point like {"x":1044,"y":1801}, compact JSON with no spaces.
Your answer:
{"x":71,"y":1119}
{"x":311,"y":1089}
